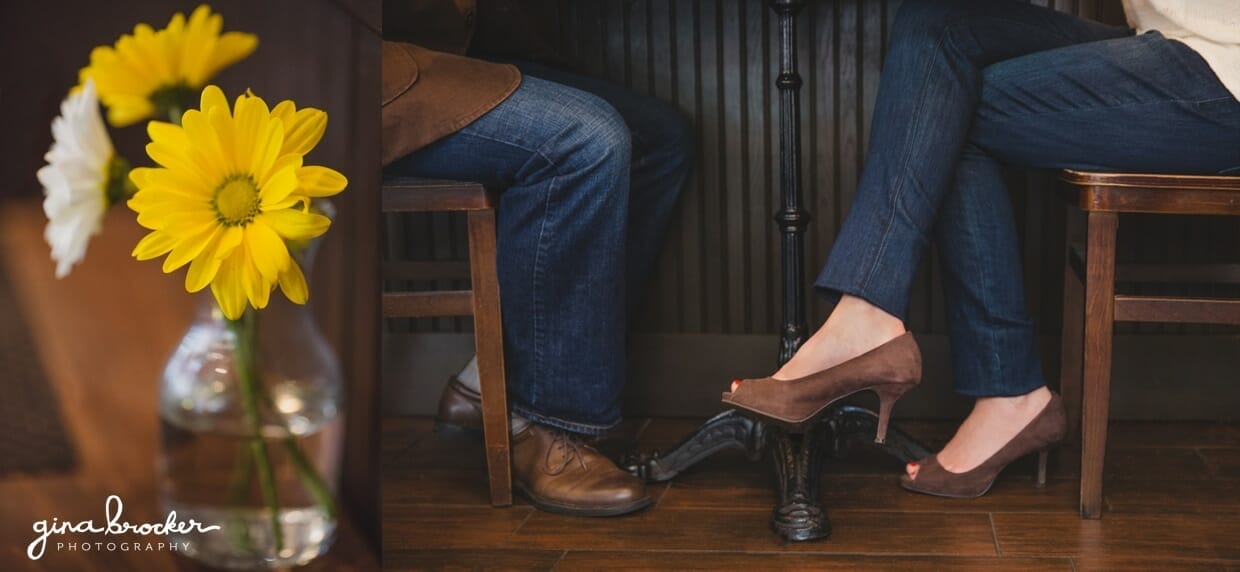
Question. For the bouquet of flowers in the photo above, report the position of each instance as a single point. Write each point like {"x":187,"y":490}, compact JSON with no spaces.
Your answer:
{"x":229,"y":196}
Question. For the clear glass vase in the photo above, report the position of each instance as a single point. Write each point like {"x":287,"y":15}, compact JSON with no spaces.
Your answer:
{"x":251,"y":422}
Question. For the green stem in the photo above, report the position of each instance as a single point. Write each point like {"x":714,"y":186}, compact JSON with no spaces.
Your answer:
{"x":250,"y":395}
{"x":238,"y":493}
{"x":310,"y":478}
{"x":306,"y":472}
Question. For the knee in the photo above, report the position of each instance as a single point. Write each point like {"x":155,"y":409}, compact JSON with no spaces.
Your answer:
{"x":920,"y":23}
{"x":672,"y":137}
{"x":598,"y":137}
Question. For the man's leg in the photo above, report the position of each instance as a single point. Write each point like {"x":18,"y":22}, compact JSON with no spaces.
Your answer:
{"x":662,"y":152}
{"x":662,"y":156}
{"x":561,"y":158}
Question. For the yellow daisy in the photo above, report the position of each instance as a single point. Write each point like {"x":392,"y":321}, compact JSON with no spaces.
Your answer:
{"x":229,"y":192}
{"x":157,"y":72}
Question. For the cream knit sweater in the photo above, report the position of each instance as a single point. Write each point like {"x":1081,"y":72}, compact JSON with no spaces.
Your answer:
{"x":1209,"y":27}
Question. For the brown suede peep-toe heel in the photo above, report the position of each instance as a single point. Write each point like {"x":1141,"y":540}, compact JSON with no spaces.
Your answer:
{"x":1047,"y":429}
{"x":888,"y":370}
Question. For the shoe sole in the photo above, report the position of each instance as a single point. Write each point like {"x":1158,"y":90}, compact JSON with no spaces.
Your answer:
{"x":454,"y":431}
{"x":562,"y":508}
{"x":789,"y":424}
{"x":948,"y":496}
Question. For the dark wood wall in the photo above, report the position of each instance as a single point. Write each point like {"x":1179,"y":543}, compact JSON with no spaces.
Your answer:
{"x":321,"y":53}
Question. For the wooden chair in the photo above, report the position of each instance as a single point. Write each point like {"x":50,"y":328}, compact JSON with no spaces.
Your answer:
{"x":1090,"y":275}
{"x":481,"y":301}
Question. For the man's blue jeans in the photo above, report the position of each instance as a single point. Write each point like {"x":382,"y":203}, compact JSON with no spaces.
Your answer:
{"x":589,"y":175}
{"x":969,"y":86}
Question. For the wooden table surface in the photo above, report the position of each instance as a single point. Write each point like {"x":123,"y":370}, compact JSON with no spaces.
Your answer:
{"x":103,"y":334}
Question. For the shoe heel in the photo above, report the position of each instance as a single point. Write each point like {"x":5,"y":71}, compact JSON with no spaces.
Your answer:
{"x":1042,"y":455}
{"x":887,"y":397}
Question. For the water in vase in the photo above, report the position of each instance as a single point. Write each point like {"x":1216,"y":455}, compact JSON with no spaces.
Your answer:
{"x":211,"y":477}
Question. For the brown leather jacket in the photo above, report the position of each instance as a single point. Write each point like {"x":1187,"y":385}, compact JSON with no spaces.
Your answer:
{"x":430,"y":89}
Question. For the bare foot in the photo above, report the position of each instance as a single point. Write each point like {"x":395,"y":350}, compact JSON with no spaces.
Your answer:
{"x":854,"y":327}
{"x":993,"y":422}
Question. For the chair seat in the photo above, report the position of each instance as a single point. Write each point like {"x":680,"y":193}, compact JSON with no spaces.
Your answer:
{"x":1154,"y":193}
{"x":411,"y":194}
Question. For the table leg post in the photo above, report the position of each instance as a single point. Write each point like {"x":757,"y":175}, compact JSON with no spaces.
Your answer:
{"x":800,"y":514}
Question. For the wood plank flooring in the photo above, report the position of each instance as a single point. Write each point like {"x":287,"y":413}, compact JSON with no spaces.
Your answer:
{"x":1172,"y":502}
{"x":103,"y":333}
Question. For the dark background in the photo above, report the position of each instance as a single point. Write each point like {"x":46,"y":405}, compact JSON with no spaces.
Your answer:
{"x":712,"y":312}
{"x":321,"y":53}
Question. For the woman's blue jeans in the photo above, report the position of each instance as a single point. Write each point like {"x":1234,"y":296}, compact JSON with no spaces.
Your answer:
{"x":589,"y":174}
{"x":969,"y":86}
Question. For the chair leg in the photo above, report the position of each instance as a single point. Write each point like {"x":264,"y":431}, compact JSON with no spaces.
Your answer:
{"x":489,"y":345}
{"x":1099,"y":323}
{"x":1073,"y":329}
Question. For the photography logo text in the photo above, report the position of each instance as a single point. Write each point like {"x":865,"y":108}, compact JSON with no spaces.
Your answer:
{"x":113,"y":526}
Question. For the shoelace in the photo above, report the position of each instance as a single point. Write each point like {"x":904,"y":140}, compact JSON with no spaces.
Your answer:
{"x":570,"y":447}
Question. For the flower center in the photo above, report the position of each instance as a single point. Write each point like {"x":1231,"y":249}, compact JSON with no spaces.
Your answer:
{"x":172,"y":100}
{"x":236,"y":202}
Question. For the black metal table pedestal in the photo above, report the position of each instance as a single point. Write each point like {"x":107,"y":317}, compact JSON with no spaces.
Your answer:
{"x":799,"y":514}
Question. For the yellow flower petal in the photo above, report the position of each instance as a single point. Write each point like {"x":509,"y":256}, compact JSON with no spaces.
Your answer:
{"x":269,"y":253}
{"x":212,"y":96}
{"x":187,"y":248}
{"x":279,"y":187}
{"x":170,"y":134}
{"x":293,"y":284}
{"x":203,"y":269}
{"x":257,"y":290}
{"x":293,"y":224}
{"x":227,"y":289}
{"x":153,"y":245}
{"x":286,"y":161}
{"x":230,"y":48}
{"x":231,"y":239}
{"x":303,"y":129}
{"x":318,"y":181}
{"x":251,"y":123}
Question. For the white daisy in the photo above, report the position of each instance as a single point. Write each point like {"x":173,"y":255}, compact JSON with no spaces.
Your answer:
{"x":76,"y":178}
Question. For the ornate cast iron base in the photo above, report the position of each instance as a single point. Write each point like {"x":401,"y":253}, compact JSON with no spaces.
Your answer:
{"x":727,"y":430}
{"x":798,"y":458}
{"x":799,"y":516}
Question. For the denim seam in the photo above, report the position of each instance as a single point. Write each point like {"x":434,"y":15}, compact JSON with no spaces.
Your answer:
{"x":1101,"y":107}
{"x":994,"y":358}
{"x":539,"y":274}
{"x":895,"y":203}
{"x":538,"y":280}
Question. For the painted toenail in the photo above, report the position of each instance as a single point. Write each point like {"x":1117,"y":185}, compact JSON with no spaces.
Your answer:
{"x":736,"y":383}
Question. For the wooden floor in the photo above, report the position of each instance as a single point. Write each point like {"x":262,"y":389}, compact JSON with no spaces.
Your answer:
{"x":103,"y":334}
{"x":1172,"y":503}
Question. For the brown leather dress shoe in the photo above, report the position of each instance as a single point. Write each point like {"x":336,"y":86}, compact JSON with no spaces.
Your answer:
{"x":559,"y":473}
{"x":460,"y":410}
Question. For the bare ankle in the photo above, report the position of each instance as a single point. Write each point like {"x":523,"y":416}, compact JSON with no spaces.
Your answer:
{"x":1036,"y":397}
